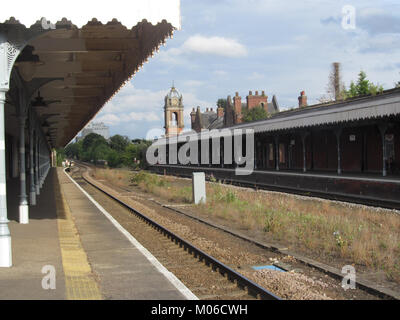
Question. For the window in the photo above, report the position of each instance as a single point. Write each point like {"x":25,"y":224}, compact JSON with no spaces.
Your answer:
{"x":174,"y":119}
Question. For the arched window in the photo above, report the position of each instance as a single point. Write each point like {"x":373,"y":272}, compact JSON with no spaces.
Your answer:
{"x":174,"y":119}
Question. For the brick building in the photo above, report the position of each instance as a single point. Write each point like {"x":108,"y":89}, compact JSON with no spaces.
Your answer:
{"x":232,"y":113}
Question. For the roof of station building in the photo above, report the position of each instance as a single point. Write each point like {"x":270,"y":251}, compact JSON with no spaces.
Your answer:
{"x":378,"y":106}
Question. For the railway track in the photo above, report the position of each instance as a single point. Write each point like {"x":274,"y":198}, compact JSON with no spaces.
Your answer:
{"x":335,"y":196}
{"x":219,"y":280}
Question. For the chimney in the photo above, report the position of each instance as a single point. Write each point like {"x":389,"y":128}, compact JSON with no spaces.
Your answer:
{"x":220,"y":112}
{"x":256,"y":93}
{"x":250,"y":93}
{"x":193,"y":116}
{"x":237,"y":104}
{"x":263,"y":93}
{"x":212,"y":109}
{"x":206,"y":109}
{"x":302,"y":100}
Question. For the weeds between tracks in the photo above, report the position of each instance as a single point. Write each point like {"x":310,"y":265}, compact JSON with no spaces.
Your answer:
{"x":357,"y":234}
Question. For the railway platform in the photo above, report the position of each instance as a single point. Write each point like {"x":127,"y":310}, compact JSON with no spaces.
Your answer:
{"x":72,"y":249}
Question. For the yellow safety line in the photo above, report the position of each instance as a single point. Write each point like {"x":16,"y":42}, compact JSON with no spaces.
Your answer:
{"x":80,"y":283}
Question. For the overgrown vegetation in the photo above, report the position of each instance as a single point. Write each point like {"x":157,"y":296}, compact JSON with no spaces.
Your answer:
{"x":117,"y":152}
{"x":362,"y":87}
{"x":60,"y":156}
{"x":336,"y":89}
{"x":359,"y":236}
{"x":162,"y":186}
{"x":255,"y":114}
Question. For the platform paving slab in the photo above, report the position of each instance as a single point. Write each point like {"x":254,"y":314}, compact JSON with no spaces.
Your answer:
{"x":123,"y":272}
{"x":34,"y":246}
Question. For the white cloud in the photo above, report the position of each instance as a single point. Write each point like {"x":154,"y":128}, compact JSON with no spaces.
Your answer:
{"x":193,"y":83}
{"x":139,"y":106}
{"x":255,"y":76}
{"x":215,"y":45}
{"x":220,"y":73}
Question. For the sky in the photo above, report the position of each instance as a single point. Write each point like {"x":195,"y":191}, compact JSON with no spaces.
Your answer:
{"x":280,"y":47}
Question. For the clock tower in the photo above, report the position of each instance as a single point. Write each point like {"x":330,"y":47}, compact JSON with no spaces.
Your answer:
{"x":173,"y":113}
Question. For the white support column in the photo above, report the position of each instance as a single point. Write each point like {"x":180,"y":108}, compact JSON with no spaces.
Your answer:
{"x":338,"y":134}
{"x":23,"y":202}
{"x":31,"y":160}
{"x":5,"y":236}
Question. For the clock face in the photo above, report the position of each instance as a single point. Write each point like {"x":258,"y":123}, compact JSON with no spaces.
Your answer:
{"x":174,"y":102}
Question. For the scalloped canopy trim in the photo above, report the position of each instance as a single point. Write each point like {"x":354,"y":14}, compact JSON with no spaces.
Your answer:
{"x":79,"y":12}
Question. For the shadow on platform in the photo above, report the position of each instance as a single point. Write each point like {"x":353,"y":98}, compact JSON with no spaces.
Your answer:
{"x":44,"y":209}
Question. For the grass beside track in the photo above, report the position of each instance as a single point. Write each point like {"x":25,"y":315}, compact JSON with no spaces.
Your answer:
{"x":360,"y":235}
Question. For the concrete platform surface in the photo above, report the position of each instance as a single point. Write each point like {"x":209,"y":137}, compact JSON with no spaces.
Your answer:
{"x":91,"y":256}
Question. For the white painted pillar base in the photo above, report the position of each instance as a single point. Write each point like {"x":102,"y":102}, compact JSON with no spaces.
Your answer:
{"x":23,"y":214}
{"x":33,"y":198}
{"x":5,"y":252}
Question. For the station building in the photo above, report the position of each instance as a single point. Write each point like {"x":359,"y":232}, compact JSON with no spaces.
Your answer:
{"x":56,"y":73}
{"x":343,"y":149}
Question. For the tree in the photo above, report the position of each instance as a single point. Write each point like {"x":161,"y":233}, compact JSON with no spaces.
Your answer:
{"x":254,"y":114}
{"x":74,"y":150}
{"x":119,"y":143}
{"x":114,"y":159}
{"x":222,"y":103}
{"x":363,"y":87}
{"x":60,"y":156}
{"x":99,"y":152}
{"x":136,"y":151}
{"x":93,"y":139}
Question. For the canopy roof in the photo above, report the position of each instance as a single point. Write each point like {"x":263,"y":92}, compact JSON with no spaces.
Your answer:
{"x":128,"y":12}
{"x":88,"y":59}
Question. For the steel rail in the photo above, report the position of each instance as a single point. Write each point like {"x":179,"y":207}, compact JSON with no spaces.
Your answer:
{"x":251,"y":287}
